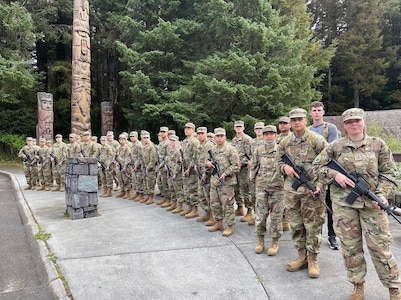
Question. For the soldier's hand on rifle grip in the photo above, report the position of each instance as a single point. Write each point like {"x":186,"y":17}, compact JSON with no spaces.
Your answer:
{"x":222,"y":177}
{"x":343,"y":180}
{"x":316,"y":193}
{"x":383,"y":199}
{"x":209,"y":164}
{"x":289,"y":171}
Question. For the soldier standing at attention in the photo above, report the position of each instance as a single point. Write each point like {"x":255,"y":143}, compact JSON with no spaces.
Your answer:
{"x":74,"y":148}
{"x":122,"y":159}
{"x":149,"y":167}
{"x":305,"y":213}
{"x":330,"y":133}
{"x":162,"y":154}
{"x":113,"y":143}
{"x":44,"y":165}
{"x":370,"y":158}
{"x":189,"y":147}
{"x":105,"y":154}
{"x":243,"y":142}
{"x":175,"y":163}
{"x":88,"y":148}
{"x":27,"y":154}
{"x":222,"y":184}
{"x":269,"y":184}
{"x":59,"y":159}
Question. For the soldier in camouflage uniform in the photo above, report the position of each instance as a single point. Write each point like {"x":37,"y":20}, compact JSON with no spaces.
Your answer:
{"x":269,"y":183}
{"x":58,"y":158}
{"x":189,"y":147}
{"x":88,"y":147}
{"x":113,"y":143}
{"x":256,"y":142}
{"x":27,"y":154}
{"x":148,"y":161}
{"x":370,"y":158}
{"x":305,"y":213}
{"x":105,"y":154}
{"x":243,"y":142}
{"x":122,"y":160}
{"x":162,"y":154}
{"x":74,"y":147}
{"x":222,"y":184}
{"x":136,"y":148}
{"x":200,"y":160}
{"x":49,"y":144}
{"x":44,"y":166}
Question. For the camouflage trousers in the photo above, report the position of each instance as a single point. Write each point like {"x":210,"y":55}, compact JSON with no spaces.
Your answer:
{"x":306,"y":216}
{"x":177,"y":190}
{"x":269,"y":203}
{"x":124,"y":179}
{"x":204,"y":195}
{"x":222,"y":203}
{"x":139,"y":182}
{"x":59,"y":173}
{"x":45,"y":175}
{"x":106,"y":178}
{"x":33,"y":169}
{"x":163,"y":185}
{"x":190,"y":184}
{"x":150,"y":183}
{"x":244,"y":185}
{"x":353,"y":223}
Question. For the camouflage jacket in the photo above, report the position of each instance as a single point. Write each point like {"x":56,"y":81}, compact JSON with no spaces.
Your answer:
{"x":105,"y":154}
{"x":370,"y":158}
{"x":149,"y":157}
{"x":228,"y":160}
{"x":243,"y":144}
{"x":190,"y":147}
{"x":88,"y":149}
{"x":59,"y":150}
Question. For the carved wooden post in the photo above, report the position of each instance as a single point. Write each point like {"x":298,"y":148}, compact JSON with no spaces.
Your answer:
{"x":107,"y":117}
{"x":81,"y":58}
{"x":45,"y":115}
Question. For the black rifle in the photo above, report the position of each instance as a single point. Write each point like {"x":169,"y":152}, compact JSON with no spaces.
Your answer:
{"x":361,"y":188}
{"x":184,"y":163}
{"x":303,"y":178}
{"x":143,"y":164}
{"x":247,"y":156}
{"x":198,"y":168}
{"x":132,"y":161}
{"x":169,"y":171}
{"x":216,"y":167}
{"x":55,"y":159}
{"x":120,"y":164}
{"x":102,"y":164}
{"x":41,"y":160}
{"x":27,"y":157}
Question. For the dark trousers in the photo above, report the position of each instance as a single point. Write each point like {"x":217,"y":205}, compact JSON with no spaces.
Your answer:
{"x":330,"y":228}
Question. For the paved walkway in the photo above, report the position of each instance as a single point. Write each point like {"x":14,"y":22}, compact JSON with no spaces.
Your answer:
{"x":137,"y":251}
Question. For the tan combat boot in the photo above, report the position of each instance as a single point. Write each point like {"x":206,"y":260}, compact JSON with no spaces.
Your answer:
{"x":47,"y":188}
{"x":28,"y":187}
{"x":358,"y":292}
{"x":273,"y":249}
{"x":120,"y":195}
{"x":33,"y":187}
{"x":260,"y":246}
{"x":108,"y":193}
{"x":229,"y":230}
{"x":286,"y":225}
{"x":217,"y":226}
{"x":62,"y":188}
{"x":211,"y":221}
{"x":139,"y":197}
{"x":204,"y":218}
{"x":301,"y":262}
{"x":251,"y":221}
{"x":133,"y":196}
{"x":186,"y":211}
{"x":394,"y":294}
{"x":166,"y":203}
{"x":178,"y":209}
{"x":172,"y":206}
{"x":150,"y":200}
{"x":249,"y":215}
{"x":41,"y":187}
{"x":193,"y":213}
{"x":313,"y":265}
{"x":56,"y":189}
{"x":239,"y":211}
{"x":161,"y":201}
{"x":144,"y":199}
{"x":126,"y":196}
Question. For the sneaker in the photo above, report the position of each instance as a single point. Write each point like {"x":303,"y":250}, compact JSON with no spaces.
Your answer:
{"x":332,"y":241}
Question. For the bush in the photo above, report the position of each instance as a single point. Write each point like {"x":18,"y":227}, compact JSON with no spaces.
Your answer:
{"x":10,"y":145}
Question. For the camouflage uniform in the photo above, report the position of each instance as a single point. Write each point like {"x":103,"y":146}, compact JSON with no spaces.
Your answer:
{"x":88,"y":149}
{"x":372,"y":159}
{"x":28,"y":155}
{"x":59,"y":151}
{"x":123,"y":159}
{"x":306,"y":214}
{"x":161,"y":155}
{"x":45,"y":168}
{"x":176,"y":181}
{"x":222,"y":194}
{"x":149,"y":159}
{"x":252,"y":187}
{"x":105,"y":154}
{"x":137,"y":174}
{"x":269,"y":184}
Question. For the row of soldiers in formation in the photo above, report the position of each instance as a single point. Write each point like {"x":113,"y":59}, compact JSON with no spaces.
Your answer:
{"x":213,"y":174}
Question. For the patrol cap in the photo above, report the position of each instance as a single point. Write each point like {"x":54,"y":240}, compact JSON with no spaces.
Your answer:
{"x":259,"y":125}
{"x":239,"y":123}
{"x":72,"y":135}
{"x":284,"y":120}
{"x":297,"y":113}
{"x":125,"y":134}
{"x":174,"y":138}
{"x":189,"y":125}
{"x":42,"y":140}
{"x":133,"y":133}
{"x":201,"y":130}
{"x":122,"y":136}
{"x":103,"y":138}
{"x":219,"y":131}
{"x":59,"y":135}
{"x":49,"y":141}
{"x":210,"y":134}
{"x":269,"y":128}
{"x":94,"y":138}
{"x":110,"y":133}
{"x":353,"y":114}
{"x":29,"y":139}
{"x":163,"y":129}
{"x":145,"y":133}
{"x":86,"y":133}
{"x":171,"y":132}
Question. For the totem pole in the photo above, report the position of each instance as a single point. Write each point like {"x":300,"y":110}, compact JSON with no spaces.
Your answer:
{"x":45,"y":115}
{"x":81,"y":59}
{"x":107,"y":117}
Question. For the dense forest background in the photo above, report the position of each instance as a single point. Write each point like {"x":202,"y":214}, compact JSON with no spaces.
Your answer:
{"x":167,"y":62}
